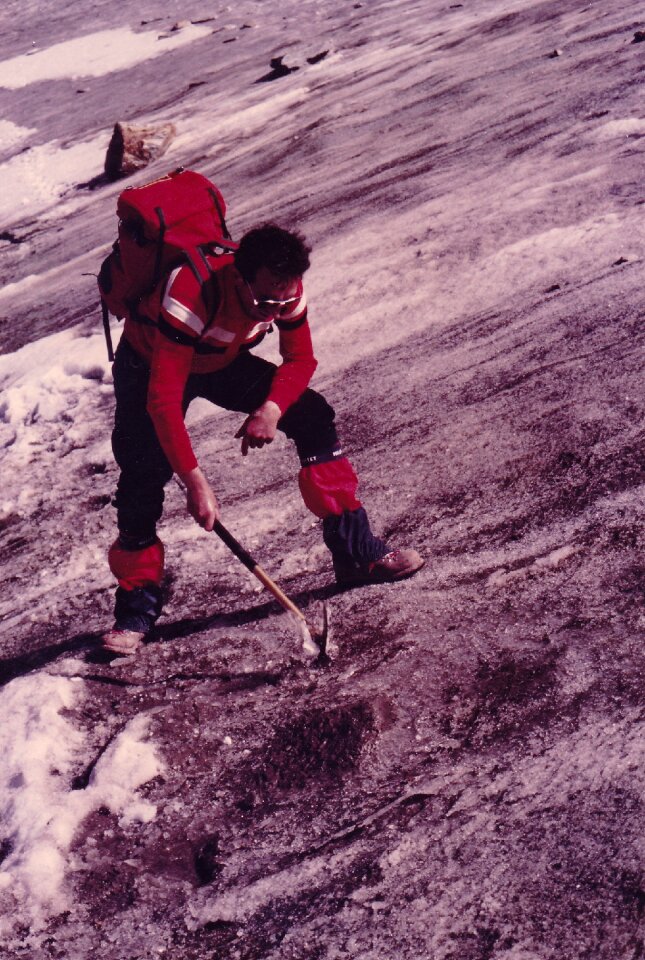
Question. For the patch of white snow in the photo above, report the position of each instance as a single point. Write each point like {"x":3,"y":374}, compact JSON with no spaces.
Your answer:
{"x":94,"y":55}
{"x":11,"y":134}
{"x":41,"y":750}
{"x":36,"y":179}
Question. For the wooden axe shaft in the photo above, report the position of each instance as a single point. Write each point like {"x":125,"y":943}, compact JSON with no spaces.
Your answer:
{"x":245,"y":557}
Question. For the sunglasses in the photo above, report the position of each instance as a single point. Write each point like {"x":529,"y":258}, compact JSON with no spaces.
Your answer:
{"x":270,"y":303}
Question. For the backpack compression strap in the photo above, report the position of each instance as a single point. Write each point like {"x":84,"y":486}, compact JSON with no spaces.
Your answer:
{"x":107,"y":331}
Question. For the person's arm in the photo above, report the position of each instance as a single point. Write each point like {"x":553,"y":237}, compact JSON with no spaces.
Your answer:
{"x":201,"y":501}
{"x":292,"y":377}
{"x":171,"y":363}
{"x":298,"y":362}
{"x":170,"y":367}
{"x":289,"y":381}
{"x":179,"y":326}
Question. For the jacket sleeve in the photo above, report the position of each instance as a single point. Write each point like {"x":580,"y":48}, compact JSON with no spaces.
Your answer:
{"x":292,"y":377}
{"x":181,"y":320}
{"x":171,"y":363}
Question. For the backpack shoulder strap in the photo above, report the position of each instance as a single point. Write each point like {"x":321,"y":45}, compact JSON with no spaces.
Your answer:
{"x":212,"y":297}
{"x":206,"y":275}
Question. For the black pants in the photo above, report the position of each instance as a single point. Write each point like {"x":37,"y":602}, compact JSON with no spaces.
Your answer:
{"x":243,"y":386}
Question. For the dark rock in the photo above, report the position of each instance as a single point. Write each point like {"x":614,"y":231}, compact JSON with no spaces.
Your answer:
{"x":8,"y":436}
{"x":10,"y":237}
{"x":639,"y":36}
{"x":6,"y":846}
{"x":317,"y":57}
{"x":278,"y":69}
{"x":206,"y":864}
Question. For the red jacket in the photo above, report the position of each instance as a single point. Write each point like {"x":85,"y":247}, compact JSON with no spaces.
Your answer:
{"x":180,"y":341}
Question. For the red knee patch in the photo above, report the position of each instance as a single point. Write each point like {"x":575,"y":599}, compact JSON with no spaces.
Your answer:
{"x":329,"y":489}
{"x":136,"y":568}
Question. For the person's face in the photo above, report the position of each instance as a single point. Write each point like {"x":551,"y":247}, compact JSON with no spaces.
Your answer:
{"x":257,"y":294}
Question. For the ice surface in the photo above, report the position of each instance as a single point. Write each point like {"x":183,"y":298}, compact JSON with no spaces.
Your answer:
{"x":625,"y":127}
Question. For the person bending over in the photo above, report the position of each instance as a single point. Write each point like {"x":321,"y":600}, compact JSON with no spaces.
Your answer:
{"x":198,"y":349}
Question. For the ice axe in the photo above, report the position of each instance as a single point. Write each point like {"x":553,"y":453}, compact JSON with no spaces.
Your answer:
{"x":314,"y":642}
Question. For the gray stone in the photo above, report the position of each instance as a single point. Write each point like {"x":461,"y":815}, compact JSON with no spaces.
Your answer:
{"x":132,"y":148}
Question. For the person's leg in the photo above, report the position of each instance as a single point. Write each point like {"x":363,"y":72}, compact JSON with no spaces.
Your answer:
{"x":327,"y":480}
{"x":242,"y":386}
{"x":136,"y":557}
{"x":328,"y":484}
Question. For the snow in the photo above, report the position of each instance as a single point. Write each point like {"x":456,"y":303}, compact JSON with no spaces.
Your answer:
{"x":45,"y":385}
{"x":94,"y":55}
{"x":52,"y":392}
{"x":41,"y":750}
{"x":625,"y":127}
{"x":39,"y":177}
{"x":11,"y":134}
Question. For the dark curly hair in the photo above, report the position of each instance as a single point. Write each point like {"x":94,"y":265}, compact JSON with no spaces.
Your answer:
{"x":285,"y":253}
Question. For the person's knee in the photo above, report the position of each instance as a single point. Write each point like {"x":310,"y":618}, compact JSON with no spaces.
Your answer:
{"x":317,"y":408}
{"x":310,"y":423}
{"x":310,"y":409}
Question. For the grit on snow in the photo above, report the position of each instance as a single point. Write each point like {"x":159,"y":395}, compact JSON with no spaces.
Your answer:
{"x":464,"y":780}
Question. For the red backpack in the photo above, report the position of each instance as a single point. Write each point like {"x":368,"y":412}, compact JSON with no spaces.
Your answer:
{"x":176,"y":219}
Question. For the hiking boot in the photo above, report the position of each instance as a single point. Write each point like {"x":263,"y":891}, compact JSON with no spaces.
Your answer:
{"x":122,"y":642}
{"x":395,"y":565}
{"x":135,"y":614}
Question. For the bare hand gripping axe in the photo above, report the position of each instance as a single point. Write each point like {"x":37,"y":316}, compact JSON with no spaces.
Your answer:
{"x":314,"y":642}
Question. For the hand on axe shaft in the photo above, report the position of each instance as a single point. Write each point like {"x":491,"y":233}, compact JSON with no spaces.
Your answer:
{"x":260,"y":427}
{"x":201,"y":501}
